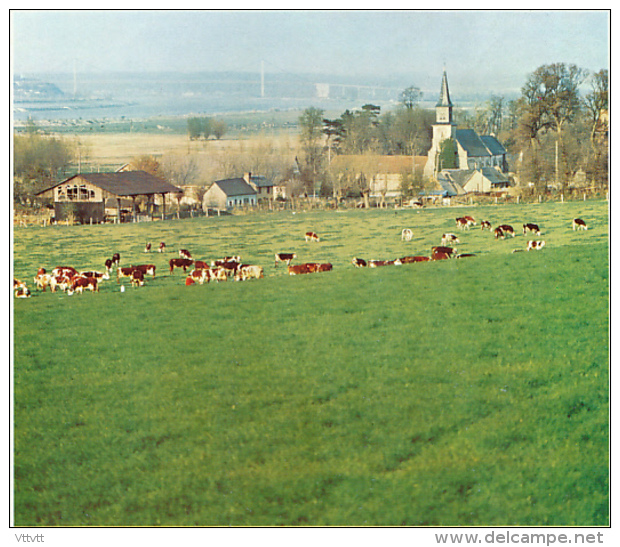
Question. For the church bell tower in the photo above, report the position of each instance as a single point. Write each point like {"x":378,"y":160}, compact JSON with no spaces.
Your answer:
{"x":443,"y":128}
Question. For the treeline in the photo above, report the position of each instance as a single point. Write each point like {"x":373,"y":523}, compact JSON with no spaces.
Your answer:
{"x":204,"y":127}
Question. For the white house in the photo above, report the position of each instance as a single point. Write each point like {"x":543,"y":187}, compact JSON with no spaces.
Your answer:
{"x":229,"y":193}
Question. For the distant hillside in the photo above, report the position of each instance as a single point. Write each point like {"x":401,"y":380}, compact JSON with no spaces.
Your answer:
{"x":31,"y":89}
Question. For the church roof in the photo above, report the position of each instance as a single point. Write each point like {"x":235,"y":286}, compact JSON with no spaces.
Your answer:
{"x":471,"y":143}
{"x":495,"y":176}
{"x":493,"y":145}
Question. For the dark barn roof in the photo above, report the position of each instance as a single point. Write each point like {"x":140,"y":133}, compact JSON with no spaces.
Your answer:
{"x":124,"y":183}
{"x":235,"y":187}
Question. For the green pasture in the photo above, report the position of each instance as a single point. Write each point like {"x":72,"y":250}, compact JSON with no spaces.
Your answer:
{"x":460,"y":392}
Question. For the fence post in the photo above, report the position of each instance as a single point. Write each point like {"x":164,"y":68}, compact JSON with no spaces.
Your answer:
{"x":562,"y":197}
{"x":584,"y":197}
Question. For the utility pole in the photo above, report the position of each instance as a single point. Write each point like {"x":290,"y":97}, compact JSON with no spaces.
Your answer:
{"x":262,"y":79}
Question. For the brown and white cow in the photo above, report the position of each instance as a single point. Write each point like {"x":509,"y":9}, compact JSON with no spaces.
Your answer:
{"x":179,"y":263}
{"x":298,"y":269}
{"x":108,"y":265}
{"x":116,"y":259}
{"x":147,"y":248}
{"x":67,"y":271}
{"x":61,"y":282}
{"x":379,"y":263}
{"x":507,"y":229}
{"x":43,"y":280}
{"x":249,"y":271}
{"x":80,"y":284}
{"x":184,"y":253}
{"x":449,"y":238}
{"x":535,"y":245}
{"x":199,"y":275}
{"x":99,"y":276}
{"x":137,"y":278}
{"x":530,"y":227}
{"x":311,"y":236}
{"x":406,"y":234}
{"x":485,"y":225}
{"x":124,"y":272}
{"x":20,"y":288}
{"x":579,"y":224}
{"x":470,"y":219}
{"x":326,"y":267}
{"x":359,"y":262}
{"x":464,"y":223}
{"x":498,"y":232}
{"x":146,"y":269}
{"x":162,"y":247}
{"x":443,"y":249}
{"x":284,"y":257}
{"x":441,"y":256}
{"x":412,"y":259}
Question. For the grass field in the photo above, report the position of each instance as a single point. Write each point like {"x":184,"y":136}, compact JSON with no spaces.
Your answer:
{"x":461,"y":392}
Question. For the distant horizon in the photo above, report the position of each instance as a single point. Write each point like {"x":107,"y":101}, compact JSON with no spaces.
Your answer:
{"x":357,"y":43}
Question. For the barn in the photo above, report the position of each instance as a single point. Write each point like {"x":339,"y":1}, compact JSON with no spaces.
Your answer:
{"x":84,"y":196}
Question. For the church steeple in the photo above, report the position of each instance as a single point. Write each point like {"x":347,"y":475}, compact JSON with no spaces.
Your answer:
{"x":443,"y":108}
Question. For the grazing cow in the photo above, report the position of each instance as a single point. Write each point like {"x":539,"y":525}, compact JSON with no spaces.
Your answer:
{"x":108,"y":265}
{"x":67,"y":271}
{"x":442,"y":249}
{"x":162,"y":247}
{"x":217,"y":274}
{"x":146,"y":269}
{"x":20,"y":288}
{"x":464,"y":223}
{"x":485,"y":225}
{"x":507,"y":229}
{"x":184,"y":253}
{"x":379,"y":263}
{"x":359,"y":262}
{"x":498,"y":233}
{"x":327,"y":267}
{"x":200,"y":265}
{"x":284,"y":257}
{"x":42,"y":280}
{"x":79,"y":284}
{"x":471,"y":220}
{"x":116,"y":259}
{"x":441,"y":256}
{"x":99,"y":276}
{"x":230,"y":267}
{"x":298,"y":269}
{"x":189,"y":281}
{"x":199,"y":276}
{"x":147,"y":249}
{"x":311,"y":236}
{"x":535,"y":245}
{"x":124,"y":272}
{"x":137,"y":278}
{"x":179,"y":263}
{"x":579,"y":224}
{"x":529,"y":227}
{"x":248,"y":271}
{"x":61,"y":282}
{"x":406,"y":235}
{"x":412,"y":259}
{"x":449,"y":238}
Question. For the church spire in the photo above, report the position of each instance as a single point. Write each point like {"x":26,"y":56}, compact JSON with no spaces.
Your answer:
{"x":443,"y":108}
{"x":444,"y":95}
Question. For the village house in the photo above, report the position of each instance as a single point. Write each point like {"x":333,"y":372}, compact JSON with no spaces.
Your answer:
{"x":229,"y":193}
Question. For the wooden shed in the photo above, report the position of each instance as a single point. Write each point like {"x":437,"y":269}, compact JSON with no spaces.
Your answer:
{"x":84,"y":196}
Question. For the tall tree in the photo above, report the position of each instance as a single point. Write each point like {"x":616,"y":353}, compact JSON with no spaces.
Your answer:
{"x":410,"y":97}
{"x":311,"y":138}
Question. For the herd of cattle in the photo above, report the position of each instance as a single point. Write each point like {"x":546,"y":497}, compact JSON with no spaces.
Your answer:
{"x":70,"y":280}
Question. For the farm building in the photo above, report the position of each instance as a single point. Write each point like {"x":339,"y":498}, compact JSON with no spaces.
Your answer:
{"x":473,"y":151}
{"x":85,"y":196}
{"x":385,"y":173}
{"x":479,"y":181}
{"x":229,"y":193}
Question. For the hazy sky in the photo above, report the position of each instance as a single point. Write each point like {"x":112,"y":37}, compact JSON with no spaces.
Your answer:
{"x":351,"y":42}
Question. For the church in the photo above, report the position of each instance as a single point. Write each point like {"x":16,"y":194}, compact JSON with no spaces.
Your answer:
{"x":480,"y":159}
